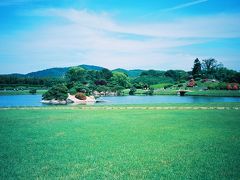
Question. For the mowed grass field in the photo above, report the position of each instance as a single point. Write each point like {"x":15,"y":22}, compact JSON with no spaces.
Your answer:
{"x":119,"y":144}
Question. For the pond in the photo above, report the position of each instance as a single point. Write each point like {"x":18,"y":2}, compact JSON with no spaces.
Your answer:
{"x":34,"y":100}
{"x":20,"y":100}
{"x":166,"y":99}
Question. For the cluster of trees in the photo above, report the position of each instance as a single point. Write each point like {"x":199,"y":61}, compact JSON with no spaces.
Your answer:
{"x":16,"y":81}
{"x":80,"y":80}
{"x":88,"y":81}
{"x":152,"y":77}
{"x":211,"y":69}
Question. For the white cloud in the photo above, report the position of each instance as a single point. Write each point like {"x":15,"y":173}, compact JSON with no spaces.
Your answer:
{"x":96,"y":38}
{"x":212,"y":26}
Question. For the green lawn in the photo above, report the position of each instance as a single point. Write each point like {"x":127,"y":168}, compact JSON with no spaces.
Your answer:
{"x":120,"y":144}
{"x":160,"y":86}
{"x":217,"y":93}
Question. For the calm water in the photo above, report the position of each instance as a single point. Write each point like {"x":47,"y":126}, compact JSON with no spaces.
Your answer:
{"x":34,"y":100}
{"x":21,"y":100}
{"x":166,"y":99}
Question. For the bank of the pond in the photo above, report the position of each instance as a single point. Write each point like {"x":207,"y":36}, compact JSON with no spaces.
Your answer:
{"x":193,"y":92}
{"x":139,"y":92}
{"x":20,"y":92}
{"x":215,"y":93}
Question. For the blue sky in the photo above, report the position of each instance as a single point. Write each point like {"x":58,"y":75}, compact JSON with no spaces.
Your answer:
{"x":131,"y":34}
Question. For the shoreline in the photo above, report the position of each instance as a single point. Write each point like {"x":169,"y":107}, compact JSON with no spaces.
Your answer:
{"x":173,"y":106}
{"x":159,"y":94}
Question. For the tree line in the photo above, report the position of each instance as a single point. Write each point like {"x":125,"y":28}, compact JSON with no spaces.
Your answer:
{"x":104,"y":80}
{"x":12,"y":81}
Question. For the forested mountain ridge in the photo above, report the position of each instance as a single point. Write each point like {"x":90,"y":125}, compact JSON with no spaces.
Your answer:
{"x":60,"y":72}
{"x":54,"y":72}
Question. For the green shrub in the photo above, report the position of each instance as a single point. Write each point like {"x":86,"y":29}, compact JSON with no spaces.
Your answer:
{"x":212,"y":86}
{"x":150,"y":91}
{"x":58,"y":92}
{"x":32,"y":91}
{"x":216,"y":86}
{"x":168,"y":86}
{"x":222,"y":86}
{"x":182,"y":81}
{"x":102,"y":89}
{"x":78,"y":87}
{"x":132,"y":90}
{"x":72,"y":91}
{"x":82,"y":88}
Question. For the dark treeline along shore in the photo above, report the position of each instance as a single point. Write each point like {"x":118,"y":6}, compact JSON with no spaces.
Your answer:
{"x":207,"y":77}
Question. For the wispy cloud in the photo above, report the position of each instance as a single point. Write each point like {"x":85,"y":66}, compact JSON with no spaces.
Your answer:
{"x":180,"y":6}
{"x":210,"y":26}
{"x":185,"y":5}
{"x":97,"y":38}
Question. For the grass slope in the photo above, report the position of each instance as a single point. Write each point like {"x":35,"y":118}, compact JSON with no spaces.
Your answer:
{"x":120,"y":144}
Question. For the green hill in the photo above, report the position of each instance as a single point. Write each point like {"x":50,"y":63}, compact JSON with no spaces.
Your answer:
{"x":54,"y":72}
{"x":59,"y":72}
{"x":130,"y":73}
{"x":91,"y":67}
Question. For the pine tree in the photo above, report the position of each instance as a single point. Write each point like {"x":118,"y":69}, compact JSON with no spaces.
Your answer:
{"x":196,"y":71}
